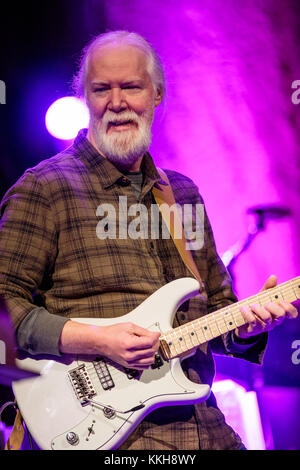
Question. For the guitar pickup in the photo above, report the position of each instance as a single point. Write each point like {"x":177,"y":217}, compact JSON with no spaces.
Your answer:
{"x":103,"y":373}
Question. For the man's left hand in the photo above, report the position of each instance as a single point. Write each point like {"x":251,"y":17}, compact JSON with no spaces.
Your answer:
{"x":265,"y":318}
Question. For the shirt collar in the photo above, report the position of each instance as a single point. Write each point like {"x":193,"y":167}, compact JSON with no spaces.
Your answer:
{"x":108,"y":173}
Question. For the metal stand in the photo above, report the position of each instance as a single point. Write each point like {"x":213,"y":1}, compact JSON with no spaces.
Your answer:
{"x":262,"y":215}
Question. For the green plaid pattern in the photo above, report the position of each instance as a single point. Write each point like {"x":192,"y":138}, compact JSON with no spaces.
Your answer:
{"x":50,"y":255}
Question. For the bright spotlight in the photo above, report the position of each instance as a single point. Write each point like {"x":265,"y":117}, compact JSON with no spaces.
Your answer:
{"x":66,"y":116}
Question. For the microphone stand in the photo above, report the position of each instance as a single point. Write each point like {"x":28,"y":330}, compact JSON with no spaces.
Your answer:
{"x":230,"y":257}
{"x":262,"y":213}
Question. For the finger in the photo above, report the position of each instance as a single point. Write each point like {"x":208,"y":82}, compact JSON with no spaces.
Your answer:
{"x":140,"y":331}
{"x":141,"y":355}
{"x":142,"y":363}
{"x":145,"y":361}
{"x":142,"y":346}
{"x":270,"y":282}
{"x":275,"y":309}
{"x":145,"y":338}
{"x":133,"y":365}
{"x":248,"y":315}
{"x":290,"y":310}
{"x":261,"y":313}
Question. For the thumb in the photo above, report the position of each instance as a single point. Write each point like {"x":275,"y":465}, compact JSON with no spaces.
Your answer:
{"x":140,"y":331}
{"x":270,"y":282}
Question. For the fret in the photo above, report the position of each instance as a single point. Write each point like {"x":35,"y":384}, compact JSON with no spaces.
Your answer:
{"x":221,"y":324}
{"x":238,"y":318}
{"x":264,"y":298}
{"x":172,"y":350}
{"x":276,"y":295}
{"x":286,"y":294}
{"x":199,"y":333}
{"x":293,"y":289}
{"x":291,"y":296}
{"x":194,"y":336}
{"x":179,"y":340}
{"x":229,"y":322}
{"x":213,"y":327}
{"x":204,"y":329}
{"x":182,"y":339}
{"x":217,"y":326}
{"x":188,"y":338}
{"x":191,"y":335}
{"x":171,"y":342}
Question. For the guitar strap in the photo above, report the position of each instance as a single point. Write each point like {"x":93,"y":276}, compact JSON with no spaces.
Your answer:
{"x":17,"y":434}
{"x":164,"y":198}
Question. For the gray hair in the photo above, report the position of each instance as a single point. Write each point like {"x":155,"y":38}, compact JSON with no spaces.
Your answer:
{"x":155,"y":67}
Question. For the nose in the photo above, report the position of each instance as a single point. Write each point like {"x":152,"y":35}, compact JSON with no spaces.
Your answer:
{"x":117,"y":102}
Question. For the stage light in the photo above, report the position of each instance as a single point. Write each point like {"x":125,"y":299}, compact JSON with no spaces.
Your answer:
{"x":241,"y":411}
{"x":66,"y":116}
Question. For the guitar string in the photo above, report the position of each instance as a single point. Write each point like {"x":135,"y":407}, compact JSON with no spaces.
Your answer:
{"x":235,"y":306}
{"x":116,"y":373}
{"x":215,"y":318}
{"x":210,"y":320}
{"x":118,"y":377}
{"x":229,"y":313}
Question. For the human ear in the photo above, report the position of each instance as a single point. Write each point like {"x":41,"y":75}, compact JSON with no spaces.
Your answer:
{"x":158,"y":97}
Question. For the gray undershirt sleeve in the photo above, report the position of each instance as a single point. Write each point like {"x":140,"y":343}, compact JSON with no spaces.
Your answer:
{"x":40,"y":331}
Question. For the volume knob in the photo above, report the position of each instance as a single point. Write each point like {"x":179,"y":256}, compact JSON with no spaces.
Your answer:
{"x":72,"y":438}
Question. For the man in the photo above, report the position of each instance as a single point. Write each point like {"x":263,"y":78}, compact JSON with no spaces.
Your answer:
{"x":55,"y":267}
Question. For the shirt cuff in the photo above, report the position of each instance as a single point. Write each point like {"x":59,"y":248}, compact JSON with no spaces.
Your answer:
{"x":234,"y":344}
{"x":40,"y":331}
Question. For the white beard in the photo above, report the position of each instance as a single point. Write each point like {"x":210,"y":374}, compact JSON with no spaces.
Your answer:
{"x":123,"y":148}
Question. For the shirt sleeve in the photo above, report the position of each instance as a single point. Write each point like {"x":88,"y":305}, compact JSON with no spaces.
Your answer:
{"x":27,"y":254}
{"x":40,"y":331}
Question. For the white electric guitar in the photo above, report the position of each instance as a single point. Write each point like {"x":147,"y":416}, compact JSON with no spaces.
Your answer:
{"x":93,"y":403}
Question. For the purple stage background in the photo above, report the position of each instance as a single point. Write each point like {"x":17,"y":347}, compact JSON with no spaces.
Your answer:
{"x":229,"y":122}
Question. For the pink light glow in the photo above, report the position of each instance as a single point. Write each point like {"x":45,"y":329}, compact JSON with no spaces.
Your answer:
{"x":229,"y":121}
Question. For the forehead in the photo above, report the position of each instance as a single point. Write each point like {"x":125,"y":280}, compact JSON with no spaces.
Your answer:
{"x":117,"y":63}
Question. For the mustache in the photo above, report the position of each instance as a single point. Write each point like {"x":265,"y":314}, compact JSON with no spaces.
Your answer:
{"x":125,"y":116}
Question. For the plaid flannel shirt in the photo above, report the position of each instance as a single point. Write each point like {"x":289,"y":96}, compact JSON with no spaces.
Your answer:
{"x":50,"y":256}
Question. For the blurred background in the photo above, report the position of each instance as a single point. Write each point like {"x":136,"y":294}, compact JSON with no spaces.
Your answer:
{"x":230,"y":121}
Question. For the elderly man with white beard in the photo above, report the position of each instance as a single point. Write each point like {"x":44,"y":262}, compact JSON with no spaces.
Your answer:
{"x":54,"y":267}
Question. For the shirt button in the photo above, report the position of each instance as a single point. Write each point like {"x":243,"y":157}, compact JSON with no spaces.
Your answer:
{"x":124,"y":181}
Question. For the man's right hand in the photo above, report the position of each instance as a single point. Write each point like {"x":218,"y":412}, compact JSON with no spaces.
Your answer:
{"x":125,"y":343}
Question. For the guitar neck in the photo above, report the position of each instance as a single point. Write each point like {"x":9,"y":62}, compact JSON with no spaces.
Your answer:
{"x":188,"y":337}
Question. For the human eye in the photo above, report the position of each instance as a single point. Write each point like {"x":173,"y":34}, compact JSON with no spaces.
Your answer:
{"x":132,"y":87}
{"x":100,"y":89}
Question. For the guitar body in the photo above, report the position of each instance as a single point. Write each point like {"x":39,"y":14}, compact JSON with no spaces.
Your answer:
{"x":93,"y":403}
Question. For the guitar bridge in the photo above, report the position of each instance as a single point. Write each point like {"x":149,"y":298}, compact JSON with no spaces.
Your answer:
{"x":82,"y":384}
